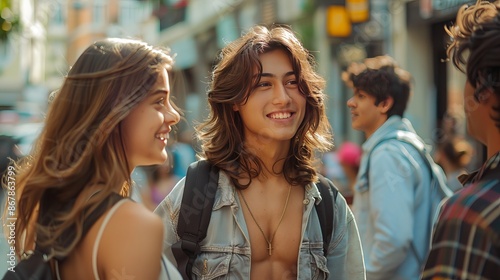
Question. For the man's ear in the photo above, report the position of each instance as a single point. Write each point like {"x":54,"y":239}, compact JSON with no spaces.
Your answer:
{"x":386,"y":105}
{"x":486,"y":96}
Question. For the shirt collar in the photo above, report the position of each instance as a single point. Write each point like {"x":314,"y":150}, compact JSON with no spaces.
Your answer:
{"x":227,"y":192}
{"x":392,"y":124}
{"x":490,"y":164}
{"x":313,"y":191}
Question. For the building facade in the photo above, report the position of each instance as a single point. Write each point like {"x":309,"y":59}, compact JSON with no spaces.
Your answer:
{"x":52,"y":34}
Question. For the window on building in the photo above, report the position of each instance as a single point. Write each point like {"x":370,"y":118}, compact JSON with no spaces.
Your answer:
{"x":99,"y":12}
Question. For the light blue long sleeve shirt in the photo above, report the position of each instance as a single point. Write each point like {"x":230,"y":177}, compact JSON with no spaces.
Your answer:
{"x":392,"y":203}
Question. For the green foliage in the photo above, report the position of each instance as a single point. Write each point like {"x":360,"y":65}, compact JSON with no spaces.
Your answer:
{"x":9,"y":22}
{"x":305,"y":25}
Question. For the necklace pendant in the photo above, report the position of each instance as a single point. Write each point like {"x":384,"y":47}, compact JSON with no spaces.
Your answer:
{"x":269,"y":241}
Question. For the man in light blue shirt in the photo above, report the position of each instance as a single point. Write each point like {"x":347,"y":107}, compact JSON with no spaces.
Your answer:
{"x":394,"y":203}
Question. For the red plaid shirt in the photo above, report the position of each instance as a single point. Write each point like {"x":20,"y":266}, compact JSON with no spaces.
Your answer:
{"x":466,"y":240}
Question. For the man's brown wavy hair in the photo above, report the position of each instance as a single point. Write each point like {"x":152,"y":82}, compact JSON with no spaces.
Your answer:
{"x":475,"y":48}
{"x":79,"y":159}
{"x":232,"y":81}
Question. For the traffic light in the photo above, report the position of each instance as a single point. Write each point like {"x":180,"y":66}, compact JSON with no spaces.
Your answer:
{"x":341,"y":14}
{"x":358,"y":10}
{"x":338,"y":23}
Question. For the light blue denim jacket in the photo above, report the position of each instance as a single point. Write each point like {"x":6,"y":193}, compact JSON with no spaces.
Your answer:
{"x":392,"y":202}
{"x":226,"y":254}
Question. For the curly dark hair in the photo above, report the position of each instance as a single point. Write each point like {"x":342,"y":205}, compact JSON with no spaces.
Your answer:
{"x":474,"y":48}
{"x":381,"y":78}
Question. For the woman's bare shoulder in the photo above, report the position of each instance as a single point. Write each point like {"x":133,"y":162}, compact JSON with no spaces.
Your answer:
{"x":132,"y":242}
{"x":133,"y":220}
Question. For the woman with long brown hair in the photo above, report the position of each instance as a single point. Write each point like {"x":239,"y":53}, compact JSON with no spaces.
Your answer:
{"x":112,"y":113}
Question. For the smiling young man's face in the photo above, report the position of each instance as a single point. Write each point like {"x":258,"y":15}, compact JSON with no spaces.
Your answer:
{"x":275,"y":108}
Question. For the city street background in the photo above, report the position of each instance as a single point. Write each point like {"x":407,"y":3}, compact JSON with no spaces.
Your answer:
{"x":41,"y":39}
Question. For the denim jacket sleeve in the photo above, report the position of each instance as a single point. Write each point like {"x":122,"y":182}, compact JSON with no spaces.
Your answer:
{"x":345,"y":256}
{"x":168,"y":210}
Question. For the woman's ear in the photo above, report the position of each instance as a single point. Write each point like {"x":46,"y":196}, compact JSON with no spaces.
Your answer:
{"x":235,"y":107}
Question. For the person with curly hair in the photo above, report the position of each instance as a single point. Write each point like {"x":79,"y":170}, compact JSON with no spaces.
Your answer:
{"x":112,"y":113}
{"x":394,"y":200}
{"x":267,"y":118}
{"x":466,"y":240}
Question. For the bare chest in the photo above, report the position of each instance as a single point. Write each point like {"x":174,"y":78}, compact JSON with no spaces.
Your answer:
{"x":274,"y":229}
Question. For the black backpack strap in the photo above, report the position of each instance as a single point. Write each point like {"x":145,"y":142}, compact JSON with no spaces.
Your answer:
{"x":325,"y":210}
{"x":195,"y":213}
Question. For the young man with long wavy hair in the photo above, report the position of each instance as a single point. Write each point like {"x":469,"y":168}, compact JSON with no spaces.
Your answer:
{"x":267,"y":117}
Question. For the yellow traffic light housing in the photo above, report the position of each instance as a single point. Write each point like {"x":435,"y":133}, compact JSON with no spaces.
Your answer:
{"x":338,"y":23}
{"x":358,"y":10}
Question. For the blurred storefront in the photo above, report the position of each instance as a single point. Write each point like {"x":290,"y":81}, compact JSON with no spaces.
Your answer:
{"x":448,"y":82}
{"x":195,"y":36}
{"x":44,"y":42}
{"x":428,"y":18}
{"x":205,"y":27}
{"x":336,"y":32}
{"x":348,"y":31}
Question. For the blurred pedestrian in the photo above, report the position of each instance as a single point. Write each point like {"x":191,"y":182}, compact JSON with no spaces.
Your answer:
{"x":161,"y":180}
{"x":267,"y":117}
{"x":331,"y":168}
{"x":466,"y":240}
{"x":8,"y":152}
{"x":349,"y":155}
{"x":183,"y":153}
{"x":453,"y":154}
{"x":393,"y":202}
{"x":112,"y":113}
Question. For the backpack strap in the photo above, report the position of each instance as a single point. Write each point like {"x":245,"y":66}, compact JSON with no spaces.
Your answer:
{"x":195,"y":213}
{"x":435,"y":173}
{"x":435,"y":170}
{"x":196,"y":210}
{"x":325,"y":210}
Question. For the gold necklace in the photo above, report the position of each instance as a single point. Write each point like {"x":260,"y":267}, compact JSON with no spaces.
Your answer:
{"x":269,"y":241}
